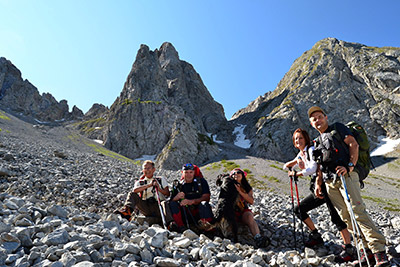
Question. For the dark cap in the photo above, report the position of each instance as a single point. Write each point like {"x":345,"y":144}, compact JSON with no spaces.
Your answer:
{"x":315,"y":109}
{"x":188,"y":166}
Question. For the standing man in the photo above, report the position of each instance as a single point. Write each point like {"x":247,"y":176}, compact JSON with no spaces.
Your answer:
{"x":341,"y":161}
{"x":143,"y":196}
{"x":190,"y":201}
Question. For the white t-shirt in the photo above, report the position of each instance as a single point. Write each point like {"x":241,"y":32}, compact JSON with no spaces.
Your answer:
{"x":310,"y":165}
{"x":147,"y":193}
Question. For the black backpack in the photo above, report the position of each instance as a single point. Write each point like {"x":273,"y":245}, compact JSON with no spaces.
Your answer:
{"x":332,"y":151}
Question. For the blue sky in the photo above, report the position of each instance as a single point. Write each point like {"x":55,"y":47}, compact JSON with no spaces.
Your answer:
{"x":82,"y":51}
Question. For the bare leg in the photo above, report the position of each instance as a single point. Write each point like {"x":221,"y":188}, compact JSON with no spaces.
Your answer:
{"x":248,"y":219}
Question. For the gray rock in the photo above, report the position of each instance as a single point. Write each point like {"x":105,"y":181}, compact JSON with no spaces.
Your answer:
{"x":9,"y":242}
{"x":183,"y":243}
{"x":161,"y":261}
{"x":4,"y":228}
{"x":58,"y":211}
{"x":5,"y":172}
{"x":396,"y":222}
{"x":146,"y":256}
{"x":8,"y":157}
{"x":205,"y":253}
{"x":190,"y":234}
{"x":57,"y":237}
{"x":84,"y":264}
{"x":68,"y":259}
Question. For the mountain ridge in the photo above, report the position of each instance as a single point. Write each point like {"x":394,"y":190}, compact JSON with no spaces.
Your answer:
{"x":165,"y":101}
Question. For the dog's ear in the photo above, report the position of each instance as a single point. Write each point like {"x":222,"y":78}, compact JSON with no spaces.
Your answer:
{"x":220,"y":178}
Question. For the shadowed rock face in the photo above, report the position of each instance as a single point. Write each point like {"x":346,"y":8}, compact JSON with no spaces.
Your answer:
{"x":349,"y":81}
{"x":164,"y":109}
{"x":18,"y":95}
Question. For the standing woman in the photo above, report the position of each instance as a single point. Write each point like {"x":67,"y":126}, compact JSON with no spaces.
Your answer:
{"x":242,"y":212}
{"x":308,"y":166}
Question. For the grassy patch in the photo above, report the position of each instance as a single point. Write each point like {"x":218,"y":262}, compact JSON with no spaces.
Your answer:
{"x":102,"y":150}
{"x":131,"y":101}
{"x":229,"y":165}
{"x":214,"y":166}
{"x":3,"y":116}
{"x":205,"y":138}
{"x":392,"y":205}
{"x":276,"y":167}
{"x":255,"y":183}
{"x":271,"y":178}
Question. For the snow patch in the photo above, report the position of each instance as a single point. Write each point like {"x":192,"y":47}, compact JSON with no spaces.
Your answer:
{"x":147,"y":157}
{"x":241,"y":140}
{"x":385,"y":146}
{"x":98,"y":141}
{"x":214,"y":138}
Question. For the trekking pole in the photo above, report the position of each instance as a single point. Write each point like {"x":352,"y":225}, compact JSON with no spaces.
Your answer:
{"x":161,"y":209}
{"x":192,"y":216}
{"x":294,"y":216}
{"x":175,"y":187}
{"x":298,"y":204}
{"x":356,"y":229}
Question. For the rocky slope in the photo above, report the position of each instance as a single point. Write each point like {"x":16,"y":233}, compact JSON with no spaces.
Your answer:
{"x":350,"y":81}
{"x":20,"y":96}
{"x":59,"y":189}
{"x":165,"y":110}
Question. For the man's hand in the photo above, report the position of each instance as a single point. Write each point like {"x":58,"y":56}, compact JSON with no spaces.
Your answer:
{"x":318,"y":191}
{"x":186,"y":202}
{"x":340,"y":170}
{"x":180,"y":195}
{"x":154,"y":183}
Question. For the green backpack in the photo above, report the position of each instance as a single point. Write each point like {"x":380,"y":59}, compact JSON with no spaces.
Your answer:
{"x":363,"y":165}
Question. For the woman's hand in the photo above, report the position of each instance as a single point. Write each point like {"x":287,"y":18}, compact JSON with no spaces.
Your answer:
{"x":318,"y":191}
{"x":240,"y":189}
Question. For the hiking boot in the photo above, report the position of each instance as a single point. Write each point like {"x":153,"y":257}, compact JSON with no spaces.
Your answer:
{"x":364,"y":262}
{"x":381,"y":259}
{"x":348,"y":254}
{"x":173,"y":227}
{"x":125,"y":212}
{"x":261,"y":241}
{"x":314,"y":239}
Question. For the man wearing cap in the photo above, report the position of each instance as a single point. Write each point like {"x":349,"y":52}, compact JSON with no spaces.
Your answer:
{"x":143,"y":196}
{"x":342,"y":163}
{"x":189,"y":202}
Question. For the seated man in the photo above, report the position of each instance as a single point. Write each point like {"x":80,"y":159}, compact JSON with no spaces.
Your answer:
{"x":189,"y":202}
{"x":143,"y":196}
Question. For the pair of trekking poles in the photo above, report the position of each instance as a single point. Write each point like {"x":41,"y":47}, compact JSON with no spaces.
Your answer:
{"x":356,"y":230}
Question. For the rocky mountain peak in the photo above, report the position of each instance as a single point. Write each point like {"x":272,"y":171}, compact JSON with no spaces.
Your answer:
{"x":350,"y":81}
{"x":20,"y":96}
{"x":164,"y":110}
